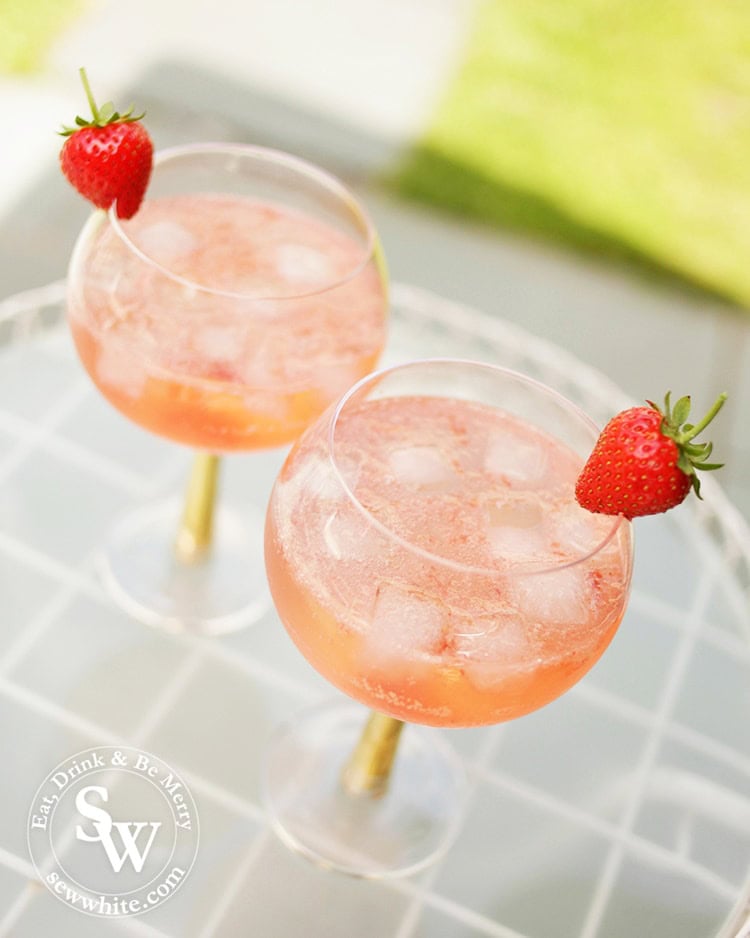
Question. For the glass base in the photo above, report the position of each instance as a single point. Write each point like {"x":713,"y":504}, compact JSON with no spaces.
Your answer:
{"x":223,"y":591}
{"x":408,"y":828}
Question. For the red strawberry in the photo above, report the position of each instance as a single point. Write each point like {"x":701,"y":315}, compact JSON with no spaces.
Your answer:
{"x":644,"y":461}
{"x":108,"y":159}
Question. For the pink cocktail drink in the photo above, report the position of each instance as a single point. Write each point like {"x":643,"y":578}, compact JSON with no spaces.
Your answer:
{"x":246,"y":293}
{"x":427,"y":555}
{"x":225,"y":322}
{"x":425,"y":552}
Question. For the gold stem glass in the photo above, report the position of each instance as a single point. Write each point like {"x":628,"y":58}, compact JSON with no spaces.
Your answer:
{"x":369,"y":769}
{"x":245,"y":295}
{"x":196,"y":529}
{"x":426,"y":554}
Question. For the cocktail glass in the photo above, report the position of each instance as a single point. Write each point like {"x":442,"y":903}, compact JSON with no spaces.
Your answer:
{"x":427,"y":556}
{"x":246,"y":294}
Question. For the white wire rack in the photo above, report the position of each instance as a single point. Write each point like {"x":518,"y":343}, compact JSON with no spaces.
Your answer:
{"x":622,"y":809}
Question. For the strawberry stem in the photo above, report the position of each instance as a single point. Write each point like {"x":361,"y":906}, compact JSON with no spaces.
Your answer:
{"x":688,"y":435}
{"x":89,"y":94}
{"x":101,"y":116}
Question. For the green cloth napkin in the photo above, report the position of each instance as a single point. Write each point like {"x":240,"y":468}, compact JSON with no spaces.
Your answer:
{"x":615,"y":126}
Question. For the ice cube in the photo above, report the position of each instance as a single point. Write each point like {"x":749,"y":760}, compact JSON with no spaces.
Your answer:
{"x":257,"y":373}
{"x":165,"y":241}
{"x":490,"y":658}
{"x":118,"y":367}
{"x":299,"y":263}
{"x":520,"y":460}
{"x":348,"y":536}
{"x":519,"y":544}
{"x":514,"y":530}
{"x":350,"y":471}
{"x":216,"y":343}
{"x":249,"y":297}
{"x":267,"y":406}
{"x":578,"y":531}
{"x":125,"y":298}
{"x":317,"y":479}
{"x":516,"y":513}
{"x":561,"y":597}
{"x":404,"y":625}
{"x":422,"y":467}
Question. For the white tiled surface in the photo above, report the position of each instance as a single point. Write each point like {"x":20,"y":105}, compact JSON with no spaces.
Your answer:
{"x":661,"y":703}
{"x":620,"y":810}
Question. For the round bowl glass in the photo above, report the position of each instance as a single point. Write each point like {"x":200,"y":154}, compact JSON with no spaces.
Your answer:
{"x":246,"y":294}
{"x":426,"y":555}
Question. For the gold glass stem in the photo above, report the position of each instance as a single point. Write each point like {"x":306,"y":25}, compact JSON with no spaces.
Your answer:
{"x":369,"y":767}
{"x":196,"y":526}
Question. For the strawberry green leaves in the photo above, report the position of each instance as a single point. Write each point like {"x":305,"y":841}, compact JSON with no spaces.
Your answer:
{"x":100,"y":116}
{"x":646,"y":461}
{"x":692,"y":456}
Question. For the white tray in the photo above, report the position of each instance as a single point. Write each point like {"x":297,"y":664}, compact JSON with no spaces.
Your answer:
{"x":620,"y":811}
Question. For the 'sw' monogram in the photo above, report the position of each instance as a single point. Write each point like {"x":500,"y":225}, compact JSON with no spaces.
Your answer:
{"x":129,"y":831}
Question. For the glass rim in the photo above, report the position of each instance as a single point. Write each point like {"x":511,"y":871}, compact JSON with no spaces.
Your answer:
{"x":525,"y":569}
{"x":281,"y":158}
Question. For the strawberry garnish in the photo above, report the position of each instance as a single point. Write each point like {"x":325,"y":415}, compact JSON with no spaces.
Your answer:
{"x":108,"y":158}
{"x":645,"y":460}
